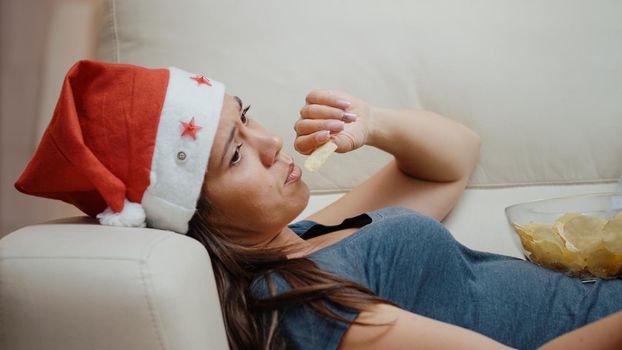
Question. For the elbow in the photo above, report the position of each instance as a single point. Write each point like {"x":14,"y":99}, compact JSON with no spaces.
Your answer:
{"x":473,"y":145}
{"x":474,"y":142}
{"x":477,"y":144}
{"x":476,"y":139}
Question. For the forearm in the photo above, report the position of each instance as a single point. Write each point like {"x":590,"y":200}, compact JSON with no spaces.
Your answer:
{"x":600,"y":335}
{"x":425,"y":145}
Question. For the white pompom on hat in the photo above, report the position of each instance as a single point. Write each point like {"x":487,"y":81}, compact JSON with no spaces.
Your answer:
{"x":128,"y":144}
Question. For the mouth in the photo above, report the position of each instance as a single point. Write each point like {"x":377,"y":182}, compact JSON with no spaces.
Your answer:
{"x":294,"y":173}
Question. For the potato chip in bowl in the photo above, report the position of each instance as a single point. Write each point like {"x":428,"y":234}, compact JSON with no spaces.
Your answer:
{"x":580,"y":235}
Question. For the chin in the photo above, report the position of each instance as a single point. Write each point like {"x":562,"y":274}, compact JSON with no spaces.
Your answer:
{"x":302,"y":199}
{"x":307,"y":194}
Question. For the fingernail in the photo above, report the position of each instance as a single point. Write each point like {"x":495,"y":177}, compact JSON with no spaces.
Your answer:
{"x":335,"y":125}
{"x":322,"y":135}
{"x":343,"y":103}
{"x":348,"y":117}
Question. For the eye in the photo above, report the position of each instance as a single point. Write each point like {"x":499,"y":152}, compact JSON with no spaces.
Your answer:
{"x":243,"y":116}
{"x":237,"y":156}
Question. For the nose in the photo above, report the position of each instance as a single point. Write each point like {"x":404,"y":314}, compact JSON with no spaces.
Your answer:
{"x":268,"y":146}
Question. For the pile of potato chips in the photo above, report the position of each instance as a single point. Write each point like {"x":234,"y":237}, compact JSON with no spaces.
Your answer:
{"x":579,"y":244}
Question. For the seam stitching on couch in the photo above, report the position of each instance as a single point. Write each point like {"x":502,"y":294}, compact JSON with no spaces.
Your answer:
{"x":145,"y":277}
{"x":115,"y":32}
{"x":491,"y":185}
{"x":545,"y":183}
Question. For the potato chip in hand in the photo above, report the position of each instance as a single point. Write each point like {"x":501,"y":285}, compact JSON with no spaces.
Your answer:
{"x":319,"y":156}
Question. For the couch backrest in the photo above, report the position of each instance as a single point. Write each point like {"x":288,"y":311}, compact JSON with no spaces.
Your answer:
{"x":539,"y":81}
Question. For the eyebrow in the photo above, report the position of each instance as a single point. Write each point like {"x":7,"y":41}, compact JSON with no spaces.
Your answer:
{"x":230,"y":139}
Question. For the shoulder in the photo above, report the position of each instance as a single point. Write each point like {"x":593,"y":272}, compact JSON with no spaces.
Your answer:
{"x":387,"y":226}
{"x":405,"y":221}
{"x":376,"y":215}
{"x":390,"y":212}
{"x":398,"y":232}
{"x":307,"y":228}
{"x":398,"y":212}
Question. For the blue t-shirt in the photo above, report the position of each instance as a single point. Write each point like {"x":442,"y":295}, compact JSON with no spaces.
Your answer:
{"x":413,"y":260}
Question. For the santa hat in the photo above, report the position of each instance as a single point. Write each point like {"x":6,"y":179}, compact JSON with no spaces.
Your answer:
{"x":128,"y":144}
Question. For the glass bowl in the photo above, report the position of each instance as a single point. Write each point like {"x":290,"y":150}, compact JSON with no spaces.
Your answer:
{"x":580,"y":235}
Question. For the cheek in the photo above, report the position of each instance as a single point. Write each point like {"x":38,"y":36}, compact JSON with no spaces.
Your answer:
{"x":263,"y":200}
{"x":248,"y":192}
{"x":254,"y":191}
{"x":262,"y":191}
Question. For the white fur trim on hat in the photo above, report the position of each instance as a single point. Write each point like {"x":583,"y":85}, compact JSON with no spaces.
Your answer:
{"x":132,"y":215}
{"x":179,"y":162}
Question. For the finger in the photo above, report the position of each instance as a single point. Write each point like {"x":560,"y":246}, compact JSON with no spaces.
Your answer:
{"x":309,"y":126}
{"x":328,"y":98}
{"x":308,"y":143}
{"x":325,"y":112}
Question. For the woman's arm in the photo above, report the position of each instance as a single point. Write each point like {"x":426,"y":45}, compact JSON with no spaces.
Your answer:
{"x":603,"y":334}
{"x":425,"y":145}
{"x":434,"y":155}
{"x":410,"y":331}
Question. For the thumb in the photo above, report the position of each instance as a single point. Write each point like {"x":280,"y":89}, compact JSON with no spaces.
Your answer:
{"x":345,"y":142}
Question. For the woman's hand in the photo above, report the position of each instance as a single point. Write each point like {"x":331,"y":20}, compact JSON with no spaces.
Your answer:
{"x":332,"y":115}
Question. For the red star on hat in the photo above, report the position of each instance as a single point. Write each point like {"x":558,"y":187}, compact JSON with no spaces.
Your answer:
{"x":190,"y":128}
{"x":201,"y":80}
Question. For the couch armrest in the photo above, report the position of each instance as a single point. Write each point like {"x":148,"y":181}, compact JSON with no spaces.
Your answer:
{"x":79,"y":285}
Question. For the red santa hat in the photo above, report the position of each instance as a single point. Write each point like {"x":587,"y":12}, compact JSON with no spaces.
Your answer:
{"x":128,"y":145}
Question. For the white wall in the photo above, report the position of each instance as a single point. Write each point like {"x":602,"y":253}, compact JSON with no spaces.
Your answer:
{"x":39,"y":41}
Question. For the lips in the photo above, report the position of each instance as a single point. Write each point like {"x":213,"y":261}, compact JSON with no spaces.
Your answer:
{"x":293,"y":174}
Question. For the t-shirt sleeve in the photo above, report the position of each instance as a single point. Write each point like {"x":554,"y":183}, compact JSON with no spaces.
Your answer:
{"x":390,"y":212}
{"x":301,"y":326}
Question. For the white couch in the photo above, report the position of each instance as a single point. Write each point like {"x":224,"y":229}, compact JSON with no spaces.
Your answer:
{"x":539,"y":81}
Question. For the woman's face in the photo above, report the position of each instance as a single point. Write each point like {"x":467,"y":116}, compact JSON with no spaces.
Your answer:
{"x":246,"y":180}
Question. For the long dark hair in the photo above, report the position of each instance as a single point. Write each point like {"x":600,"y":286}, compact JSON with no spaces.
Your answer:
{"x":252,"y":323}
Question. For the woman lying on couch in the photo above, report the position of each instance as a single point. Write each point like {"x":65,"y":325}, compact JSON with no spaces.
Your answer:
{"x":375,"y":269}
